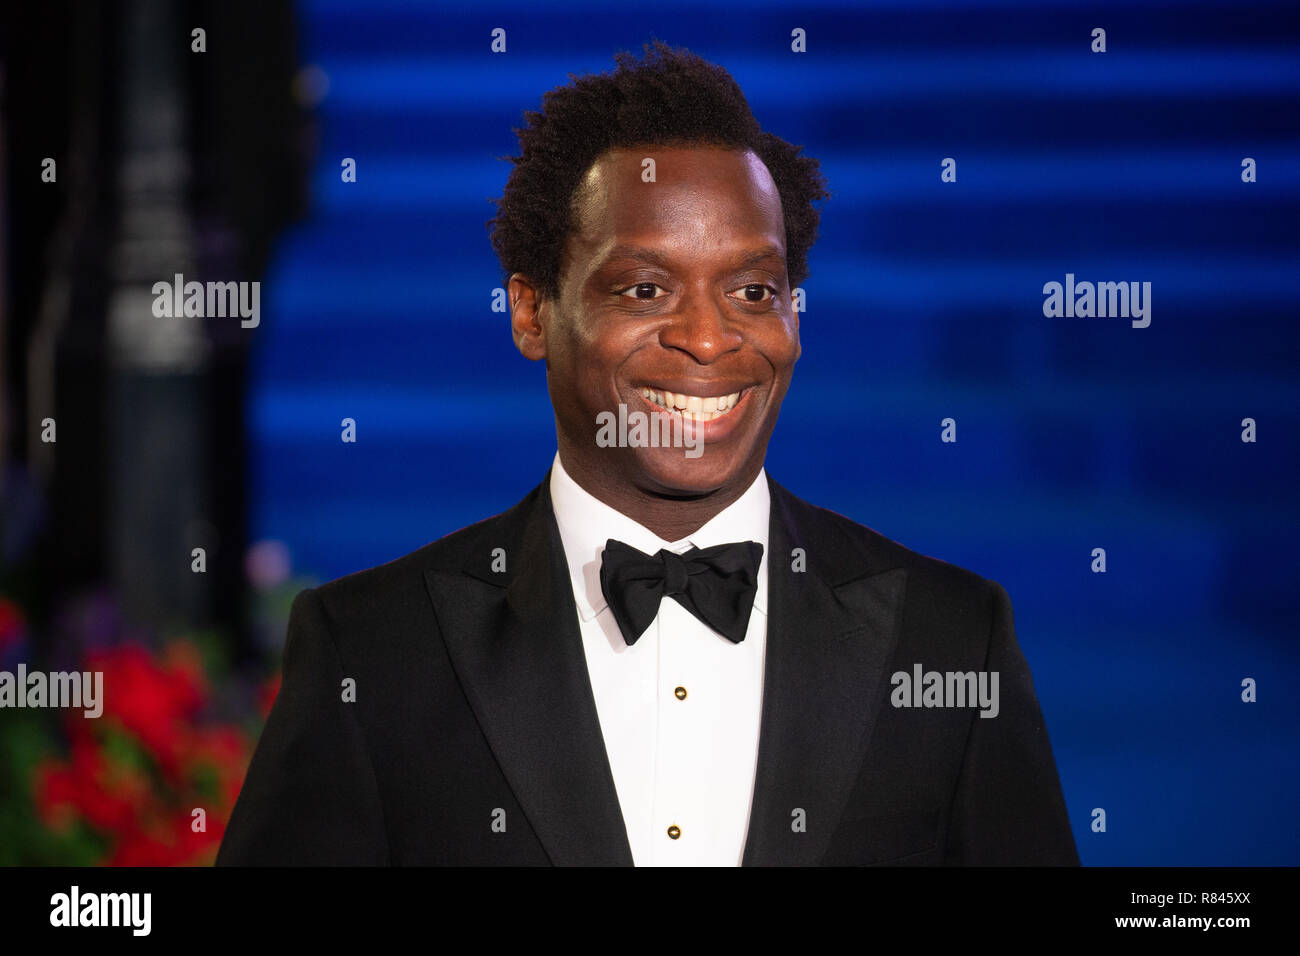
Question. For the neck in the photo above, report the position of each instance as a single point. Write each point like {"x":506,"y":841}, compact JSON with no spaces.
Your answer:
{"x":670,"y":517}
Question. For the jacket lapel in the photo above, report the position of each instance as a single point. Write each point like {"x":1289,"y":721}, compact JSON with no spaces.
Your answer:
{"x":514,"y":641}
{"x":831,"y":632}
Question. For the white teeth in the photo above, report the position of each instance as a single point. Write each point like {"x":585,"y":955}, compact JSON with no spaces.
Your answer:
{"x":693,"y":407}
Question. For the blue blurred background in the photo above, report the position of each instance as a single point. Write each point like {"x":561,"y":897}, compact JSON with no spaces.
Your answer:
{"x":924,"y":302}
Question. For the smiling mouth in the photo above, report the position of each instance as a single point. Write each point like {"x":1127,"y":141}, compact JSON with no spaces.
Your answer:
{"x":694,"y":408}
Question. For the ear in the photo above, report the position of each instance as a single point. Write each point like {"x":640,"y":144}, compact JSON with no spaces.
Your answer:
{"x":526,"y":320}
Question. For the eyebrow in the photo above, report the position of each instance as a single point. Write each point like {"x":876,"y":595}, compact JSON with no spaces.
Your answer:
{"x":645,"y":254}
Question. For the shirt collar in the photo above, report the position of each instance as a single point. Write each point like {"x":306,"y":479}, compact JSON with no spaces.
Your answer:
{"x":586,"y":523}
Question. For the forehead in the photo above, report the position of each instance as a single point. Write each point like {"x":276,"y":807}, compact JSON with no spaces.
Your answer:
{"x":695,"y":190}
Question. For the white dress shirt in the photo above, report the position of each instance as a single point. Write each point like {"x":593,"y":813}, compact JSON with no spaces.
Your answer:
{"x":684,"y":762}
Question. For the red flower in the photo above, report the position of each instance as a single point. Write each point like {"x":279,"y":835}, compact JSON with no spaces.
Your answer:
{"x":168,"y":841}
{"x":225,"y":753}
{"x":138,"y":773}
{"x":150,"y":702}
{"x":88,"y":786}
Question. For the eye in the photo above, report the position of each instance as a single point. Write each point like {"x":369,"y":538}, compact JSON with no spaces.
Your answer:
{"x":643,"y":287}
{"x":753,"y":292}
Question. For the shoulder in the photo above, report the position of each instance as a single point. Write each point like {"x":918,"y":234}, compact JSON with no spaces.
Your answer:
{"x":850,"y":549}
{"x":385,"y":587}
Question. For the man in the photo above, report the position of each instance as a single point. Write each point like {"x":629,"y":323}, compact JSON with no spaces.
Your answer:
{"x":660,"y":655}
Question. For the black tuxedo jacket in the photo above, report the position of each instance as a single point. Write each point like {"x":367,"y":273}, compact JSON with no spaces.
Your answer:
{"x":473,"y":709}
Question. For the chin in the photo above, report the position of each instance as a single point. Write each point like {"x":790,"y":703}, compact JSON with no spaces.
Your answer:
{"x":668,"y":471}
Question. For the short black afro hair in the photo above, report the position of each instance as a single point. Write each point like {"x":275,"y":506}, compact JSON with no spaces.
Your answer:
{"x":670,"y":98}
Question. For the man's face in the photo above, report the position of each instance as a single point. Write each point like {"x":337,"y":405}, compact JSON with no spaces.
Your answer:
{"x":671,"y":292}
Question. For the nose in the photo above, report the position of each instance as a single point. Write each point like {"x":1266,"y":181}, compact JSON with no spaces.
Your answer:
{"x":703,"y":329}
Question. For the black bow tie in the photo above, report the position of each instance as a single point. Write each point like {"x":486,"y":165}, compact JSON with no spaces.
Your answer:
{"x":715,"y":584}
